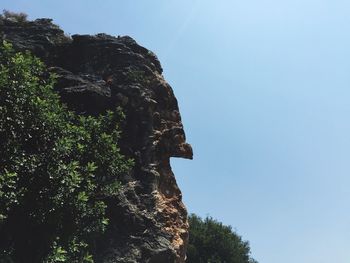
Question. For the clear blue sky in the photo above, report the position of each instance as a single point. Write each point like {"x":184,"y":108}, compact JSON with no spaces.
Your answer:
{"x":264,"y":91}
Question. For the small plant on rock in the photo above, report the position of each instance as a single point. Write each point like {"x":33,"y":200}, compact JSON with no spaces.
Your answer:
{"x":15,"y":17}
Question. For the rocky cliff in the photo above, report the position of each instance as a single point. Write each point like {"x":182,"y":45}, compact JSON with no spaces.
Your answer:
{"x":99,"y":73}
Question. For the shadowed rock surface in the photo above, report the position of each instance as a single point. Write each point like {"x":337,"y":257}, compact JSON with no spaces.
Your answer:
{"x":99,"y":73}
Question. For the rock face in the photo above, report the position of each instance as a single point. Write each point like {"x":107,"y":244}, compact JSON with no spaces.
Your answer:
{"x":99,"y":73}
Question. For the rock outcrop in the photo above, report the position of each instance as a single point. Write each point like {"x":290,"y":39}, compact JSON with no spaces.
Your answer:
{"x":99,"y":73}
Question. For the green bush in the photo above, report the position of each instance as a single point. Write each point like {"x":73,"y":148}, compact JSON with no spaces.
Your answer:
{"x":212,"y":242}
{"x":57,"y":169}
{"x":16,"y":17}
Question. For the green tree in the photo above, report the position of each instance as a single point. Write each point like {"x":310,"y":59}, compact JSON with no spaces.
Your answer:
{"x":57,"y":169}
{"x":212,"y":242}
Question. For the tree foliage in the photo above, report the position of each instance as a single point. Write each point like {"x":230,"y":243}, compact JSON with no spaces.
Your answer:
{"x":57,"y":169}
{"x":212,"y":242}
{"x":15,"y":17}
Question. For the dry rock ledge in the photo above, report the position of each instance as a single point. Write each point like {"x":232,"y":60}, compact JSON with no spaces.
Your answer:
{"x":99,"y":73}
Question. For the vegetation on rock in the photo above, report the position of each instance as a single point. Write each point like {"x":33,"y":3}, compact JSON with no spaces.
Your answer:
{"x":212,"y":242}
{"x":16,"y":17}
{"x":57,"y":169}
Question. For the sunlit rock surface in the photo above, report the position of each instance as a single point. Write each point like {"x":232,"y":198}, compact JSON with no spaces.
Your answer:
{"x":99,"y":73}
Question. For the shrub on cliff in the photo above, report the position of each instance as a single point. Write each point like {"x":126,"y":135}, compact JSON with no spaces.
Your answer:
{"x":56,"y":168}
{"x":212,"y":242}
{"x":16,"y":17}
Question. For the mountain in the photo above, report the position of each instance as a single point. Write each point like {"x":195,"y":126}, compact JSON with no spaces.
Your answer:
{"x":96,"y":73}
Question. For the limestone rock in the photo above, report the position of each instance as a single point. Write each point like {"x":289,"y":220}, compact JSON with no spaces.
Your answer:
{"x":99,"y":73}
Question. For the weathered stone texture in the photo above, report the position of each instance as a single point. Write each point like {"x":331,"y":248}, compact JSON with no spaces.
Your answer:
{"x":99,"y":73}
